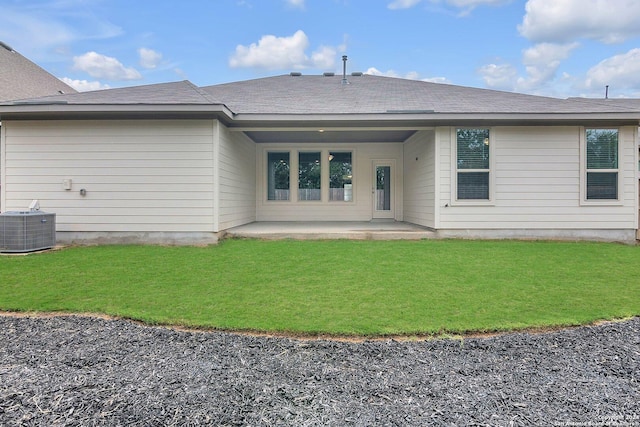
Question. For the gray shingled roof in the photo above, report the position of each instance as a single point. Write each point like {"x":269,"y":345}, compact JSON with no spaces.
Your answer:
{"x":369,"y":94}
{"x":626,"y":103}
{"x":21,"y":78}
{"x":325,"y":96}
{"x":175,"y":93}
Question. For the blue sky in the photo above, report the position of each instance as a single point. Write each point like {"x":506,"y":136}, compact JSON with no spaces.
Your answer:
{"x":547,"y":47}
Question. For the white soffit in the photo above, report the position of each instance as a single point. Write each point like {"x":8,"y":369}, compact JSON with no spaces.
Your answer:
{"x":329,"y":136}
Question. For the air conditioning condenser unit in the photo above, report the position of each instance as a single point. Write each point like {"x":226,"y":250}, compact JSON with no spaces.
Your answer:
{"x":27,"y":231}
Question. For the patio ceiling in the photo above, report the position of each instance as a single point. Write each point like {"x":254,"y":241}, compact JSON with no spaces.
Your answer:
{"x":328,"y":136}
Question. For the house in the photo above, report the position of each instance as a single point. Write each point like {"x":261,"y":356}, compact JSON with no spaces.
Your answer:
{"x":180,"y":163}
{"x":21,"y":78}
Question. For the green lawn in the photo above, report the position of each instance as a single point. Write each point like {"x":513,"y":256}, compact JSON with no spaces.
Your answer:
{"x":336,"y":287}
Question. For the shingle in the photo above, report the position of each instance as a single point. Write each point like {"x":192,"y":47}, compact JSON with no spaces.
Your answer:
{"x":175,"y":93}
{"x":626,"y":103}
{"x":319,"y":94}
{"x":374,"y":94}
{"x":21,"y":78}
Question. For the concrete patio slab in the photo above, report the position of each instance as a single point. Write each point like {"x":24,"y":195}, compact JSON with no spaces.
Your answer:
{"x":365,"y":230}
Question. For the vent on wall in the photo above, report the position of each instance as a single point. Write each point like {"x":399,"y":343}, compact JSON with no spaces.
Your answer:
{"x":27,"y":231}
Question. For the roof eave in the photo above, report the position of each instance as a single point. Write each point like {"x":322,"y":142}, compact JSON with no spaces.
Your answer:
{"x":434,"y":119}
{"x":57,"y":111}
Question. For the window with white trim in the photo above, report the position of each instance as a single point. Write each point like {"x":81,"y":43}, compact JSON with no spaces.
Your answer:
{"x":340,"y":176}
{"x":473,"y":170}
{"x":601,"y":169}
{"x":313,"y":175}
{"x":278,"y":166}
{"x":309,"y":175}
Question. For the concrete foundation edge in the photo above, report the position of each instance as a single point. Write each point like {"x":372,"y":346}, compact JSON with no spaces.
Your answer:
{"x":136,"y":238}
{"x":598,"y":235}
{"x":201,"y":238}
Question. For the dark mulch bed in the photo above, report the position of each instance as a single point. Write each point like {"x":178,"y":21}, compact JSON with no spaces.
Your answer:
{"x":87,"y":371}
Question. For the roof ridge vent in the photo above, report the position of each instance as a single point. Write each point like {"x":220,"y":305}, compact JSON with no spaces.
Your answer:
{"x":357,"y":74}
{"x":295,"y":74}
{"x":328,"y":74}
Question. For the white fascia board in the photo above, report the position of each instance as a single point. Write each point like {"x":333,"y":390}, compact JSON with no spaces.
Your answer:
{"x":279,"y":119}
{"x":324,"y":128}
{"x":59,"y":109}
{"x":252,"y":121}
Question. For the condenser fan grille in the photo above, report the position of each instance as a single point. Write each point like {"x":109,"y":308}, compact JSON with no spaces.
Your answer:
{"x":27,"y":231}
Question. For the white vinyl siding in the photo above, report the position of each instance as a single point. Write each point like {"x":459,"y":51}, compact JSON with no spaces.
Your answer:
{"x":444,"y":181}
{"x":237,"y":183}
{"x":419,"y":179}
{"x":537,"y":183}
{"x":139,"y":175}
{"x":2,"y":167}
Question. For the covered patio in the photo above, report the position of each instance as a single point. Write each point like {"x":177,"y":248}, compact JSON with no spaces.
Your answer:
{"x":354,"y":230}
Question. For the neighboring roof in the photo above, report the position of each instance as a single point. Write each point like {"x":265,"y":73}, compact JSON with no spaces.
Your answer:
{"x":21,"y":78}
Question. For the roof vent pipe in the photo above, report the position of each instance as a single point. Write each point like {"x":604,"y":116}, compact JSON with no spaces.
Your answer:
{"x":344,"y":70}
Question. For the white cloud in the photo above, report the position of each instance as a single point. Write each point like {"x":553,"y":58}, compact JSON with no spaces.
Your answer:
{"x":104,"y":67}
{"x":273,"y":53}
{"x":499,"y":76}
{"x":619,"y":72}
{"x":34,"y":31}
{"x":296,"y":3}
{"x":411,"y":75}
{"x":84,"y":85}
{"x":181,"y":73}
{"x":345,"y":42}
{"x":40,"y":28}
{"x":402,"y":4}
{"x":609,"y":21}
{"x":324,"y":57}
{"x":375,"y":72}
{"x":542,"y":61}
{"x":149,"y":58}
{"x":442,"y":80}
{"x":476,"y":3}
{"x":466,"y":5}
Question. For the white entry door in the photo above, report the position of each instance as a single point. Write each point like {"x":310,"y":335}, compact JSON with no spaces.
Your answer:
{"x":383,"y":189}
